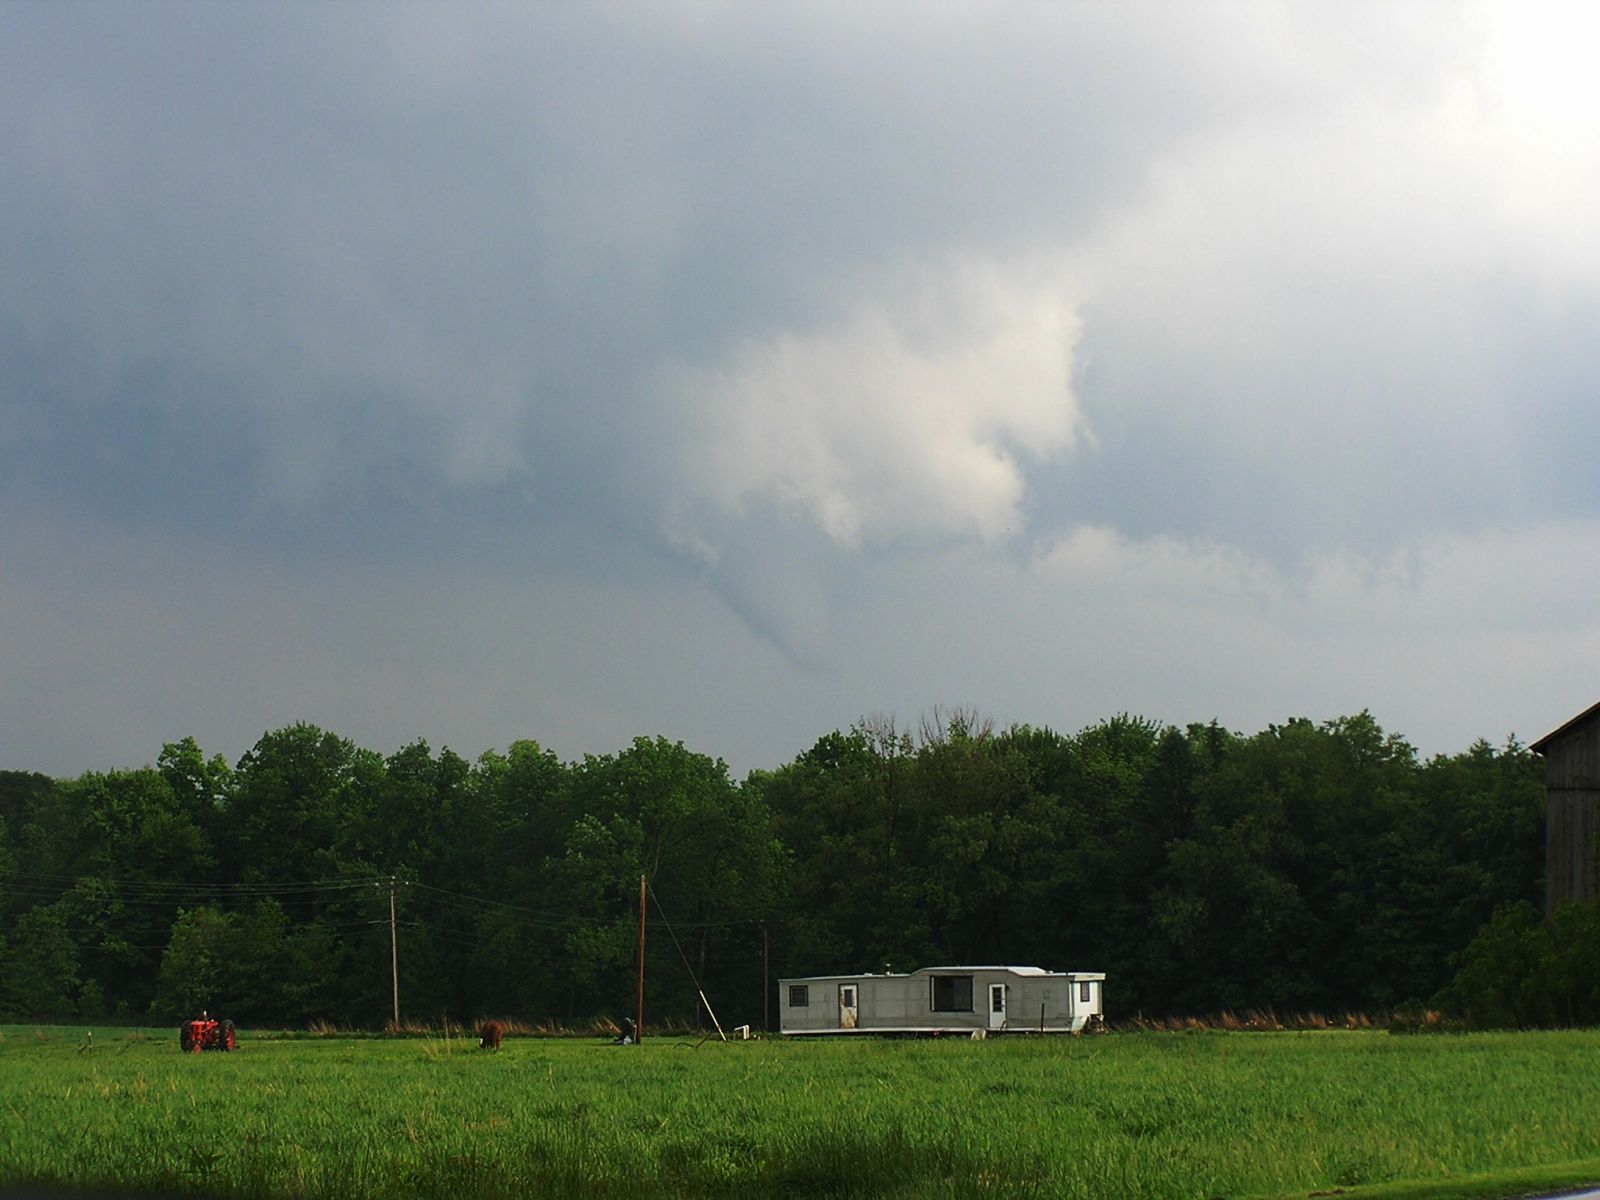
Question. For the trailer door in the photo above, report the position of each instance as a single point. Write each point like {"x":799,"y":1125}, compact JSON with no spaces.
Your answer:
{"x":847,"y":1006}
{"x":997,"y":1006}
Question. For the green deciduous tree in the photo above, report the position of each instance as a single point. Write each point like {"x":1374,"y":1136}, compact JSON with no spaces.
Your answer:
{"x":294,"y":796}
{"x":197,"y":967}
{"x":1308,"y":865}
{"x":41,"y":966}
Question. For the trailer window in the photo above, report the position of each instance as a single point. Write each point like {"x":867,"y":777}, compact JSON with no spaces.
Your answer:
{"x":799,"y":996}
{"x":1083,"y":991}
{"x":951,"y":993}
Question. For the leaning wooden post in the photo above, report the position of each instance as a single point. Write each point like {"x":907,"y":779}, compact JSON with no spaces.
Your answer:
{"x":638,"y":1016}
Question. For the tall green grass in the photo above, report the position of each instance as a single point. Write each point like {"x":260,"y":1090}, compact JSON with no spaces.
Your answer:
{"x":1148,"y":1115}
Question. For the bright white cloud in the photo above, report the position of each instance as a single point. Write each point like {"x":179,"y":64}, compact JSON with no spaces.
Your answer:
{"x":914,"y":419}
{"x":1540,"y":107}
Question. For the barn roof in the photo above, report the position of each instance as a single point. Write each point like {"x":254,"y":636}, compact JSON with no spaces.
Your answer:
{"x":1580,"y":719}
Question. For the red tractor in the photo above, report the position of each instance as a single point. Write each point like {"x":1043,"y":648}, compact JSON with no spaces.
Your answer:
{"x":205,"y":1032}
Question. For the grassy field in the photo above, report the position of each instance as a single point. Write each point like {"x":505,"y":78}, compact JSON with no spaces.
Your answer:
{"x":1149,"y":1115}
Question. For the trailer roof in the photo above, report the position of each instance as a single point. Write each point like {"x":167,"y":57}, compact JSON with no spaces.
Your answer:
{"x":963,"y":970}
{"x":989,"y":967}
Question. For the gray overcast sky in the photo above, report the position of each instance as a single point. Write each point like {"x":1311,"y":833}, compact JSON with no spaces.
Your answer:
{"x":731,"y":372}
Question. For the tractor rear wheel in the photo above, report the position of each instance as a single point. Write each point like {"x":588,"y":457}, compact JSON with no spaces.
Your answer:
{"x":225,"y":1037}
{"x":184,"y":1038}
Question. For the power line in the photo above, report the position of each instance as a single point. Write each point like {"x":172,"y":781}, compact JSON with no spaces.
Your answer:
{"x":485,"y":903}
{"x":155,"y":885}
{"x":116,"y":947}
{"x":47,"y":886}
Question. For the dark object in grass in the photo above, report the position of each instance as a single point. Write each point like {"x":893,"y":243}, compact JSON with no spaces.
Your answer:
{"x":1424,"y":1020}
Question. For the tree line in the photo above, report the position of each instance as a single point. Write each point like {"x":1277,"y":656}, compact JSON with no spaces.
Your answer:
{"x":1310,"y":866}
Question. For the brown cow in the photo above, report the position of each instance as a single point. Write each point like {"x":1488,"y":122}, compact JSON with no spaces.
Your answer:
{"x":489,"y":1035}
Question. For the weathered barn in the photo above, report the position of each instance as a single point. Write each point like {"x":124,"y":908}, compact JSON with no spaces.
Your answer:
{"x":943,"y":1000}
{"x":1572,"y":809}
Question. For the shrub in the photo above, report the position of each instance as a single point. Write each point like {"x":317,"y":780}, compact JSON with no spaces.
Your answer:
{"x":1521,"y":972}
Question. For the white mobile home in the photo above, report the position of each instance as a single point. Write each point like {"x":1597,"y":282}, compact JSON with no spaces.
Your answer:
{"x":942,"y":1000}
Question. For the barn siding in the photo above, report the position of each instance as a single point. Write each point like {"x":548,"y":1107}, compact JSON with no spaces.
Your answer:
{"x":1572,"y":810}
{"x":1572,"y":846}
{"x":1572,"y":758}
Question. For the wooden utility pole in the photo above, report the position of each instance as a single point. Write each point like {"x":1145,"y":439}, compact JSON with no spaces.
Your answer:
{"x":766,"y":979}
{"x":638,"y":1016}
{"x":394,"y":957}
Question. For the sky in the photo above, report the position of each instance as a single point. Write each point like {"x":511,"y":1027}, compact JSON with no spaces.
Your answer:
{"x":733,"y":373}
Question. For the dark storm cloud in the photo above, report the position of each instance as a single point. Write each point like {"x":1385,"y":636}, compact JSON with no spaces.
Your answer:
{"x":900,"y":356}
{"x":348,"y":250}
